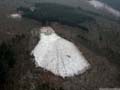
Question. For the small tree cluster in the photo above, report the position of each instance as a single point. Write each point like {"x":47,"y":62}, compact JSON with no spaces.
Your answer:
{"x":7,"y":60}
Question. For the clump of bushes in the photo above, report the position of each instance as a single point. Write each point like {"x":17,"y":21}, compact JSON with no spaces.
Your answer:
{"x":7,"y":60}
{"x":46,"y":86}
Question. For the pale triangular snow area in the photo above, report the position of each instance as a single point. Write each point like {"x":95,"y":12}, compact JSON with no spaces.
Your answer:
{"x":58,"y":55}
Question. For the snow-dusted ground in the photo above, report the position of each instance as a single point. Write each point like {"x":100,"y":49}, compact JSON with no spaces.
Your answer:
{"x":15,"y":16}
{"x":100,"y":5}
{"x":58,"y":55}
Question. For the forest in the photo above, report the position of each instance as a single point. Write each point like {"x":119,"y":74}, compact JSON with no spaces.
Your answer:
{"x":47,"y":12}
{"x":97,"y":36}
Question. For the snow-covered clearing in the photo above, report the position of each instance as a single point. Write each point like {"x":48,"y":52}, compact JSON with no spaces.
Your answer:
{"x":15,"y":16}
{"x":58,"y":55}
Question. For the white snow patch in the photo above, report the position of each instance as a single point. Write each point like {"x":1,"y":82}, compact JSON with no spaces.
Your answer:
{"x":32,"y":9}
{"x":58,"y":55}
{"x":15,"y":16}
{"x":96,"y":4}
{"x":100,"y":5}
